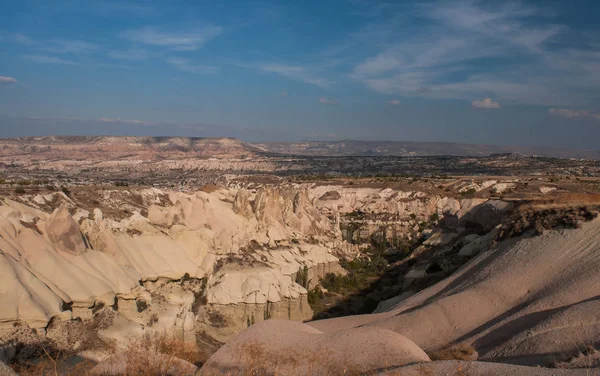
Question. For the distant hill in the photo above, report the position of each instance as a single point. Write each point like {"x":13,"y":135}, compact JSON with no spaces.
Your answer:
{"x":107,"y":148}
{"x":115,"y":148}
{"x":401,"y":148}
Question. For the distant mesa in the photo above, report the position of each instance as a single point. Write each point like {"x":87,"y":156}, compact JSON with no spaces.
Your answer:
{"x":151,"y":148}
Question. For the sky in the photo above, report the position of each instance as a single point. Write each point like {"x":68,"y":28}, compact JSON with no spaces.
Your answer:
{"x":494,"y":72}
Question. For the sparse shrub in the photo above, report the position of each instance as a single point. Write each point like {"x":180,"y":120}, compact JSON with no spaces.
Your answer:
{"x":302,"y":277}
{"x":66,"y":191}
{"x":268,"y":311}
{"x":250,"y":320}
{"x":153,"y":319}
{"x":53,"y":364}
{"x":19,"y":190}
{"x":217,"y":319}
{"x":200,"y":296}
{"x":141,"y":305}
{"x":314,"y":296}
{"x":24,"y":182}
{"x":97,"y":307}
{"x":143,"y":355}
{"x":458,"y":352}
{"x":469,"y":192}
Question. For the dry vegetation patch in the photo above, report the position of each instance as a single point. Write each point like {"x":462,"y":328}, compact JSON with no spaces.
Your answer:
{"x":542,"y":218}
{"x":457,"y":352}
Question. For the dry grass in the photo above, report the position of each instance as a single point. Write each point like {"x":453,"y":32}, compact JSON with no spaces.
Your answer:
{"x":457,"y":352}
{"x":253,"y":359}
{"x":57,"y":365}
{"x":158,"y":354}
{"x":570,"y":199}
{"x":168,"y":344}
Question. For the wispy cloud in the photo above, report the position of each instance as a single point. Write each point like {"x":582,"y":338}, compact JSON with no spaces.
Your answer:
{"x":487,"y":104}
{"x":7,"y":80}
{"x":393,"y":101}
{"x":327,"y":101}
{"x":131,"y":54}
{"x":186,"y":65}
{"x":23,"y":39}
{"x":295,"y":72}
{"x":283,"y":94}
{"x":178,"y":41}
{"x":44,"y":59}
{"x":572,"y":114}
{"x":445,"y":53}
{"x":66,"y":46}
{"x":123,"y":121}
{"x":376,"y":65}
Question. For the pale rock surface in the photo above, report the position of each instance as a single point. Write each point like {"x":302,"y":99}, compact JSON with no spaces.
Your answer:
{"x":251,"y":286}
{"x":287,"y":347}
{"x":546,"y":190}
{"x":528,"y":285}
{"x":453,"y":367}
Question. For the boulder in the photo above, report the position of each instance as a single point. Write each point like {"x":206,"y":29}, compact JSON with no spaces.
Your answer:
{"x":63,"y":232}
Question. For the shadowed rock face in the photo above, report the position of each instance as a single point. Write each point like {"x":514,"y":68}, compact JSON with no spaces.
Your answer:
{"x":64,"y":233}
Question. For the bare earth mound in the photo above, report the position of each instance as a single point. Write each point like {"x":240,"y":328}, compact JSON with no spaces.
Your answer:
{"x":286,"y":347}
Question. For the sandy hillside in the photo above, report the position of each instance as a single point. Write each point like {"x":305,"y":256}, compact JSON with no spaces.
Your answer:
{"x":527,"y":301}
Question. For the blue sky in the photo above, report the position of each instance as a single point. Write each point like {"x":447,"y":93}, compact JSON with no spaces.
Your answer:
{"x":501,"y":72}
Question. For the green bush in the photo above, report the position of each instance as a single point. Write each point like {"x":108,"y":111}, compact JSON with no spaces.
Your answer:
{"x":19,"y":190}
{"x":314,"y":296}
{"x":469,"y":192}
{"x":302,"y":277}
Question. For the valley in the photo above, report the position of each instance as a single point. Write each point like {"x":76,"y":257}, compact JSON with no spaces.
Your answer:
{"x":372,"y":264}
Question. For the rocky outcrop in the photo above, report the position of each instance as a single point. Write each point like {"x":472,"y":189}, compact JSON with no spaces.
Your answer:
{"x":64,"y":233}
{"x":248,"y":248}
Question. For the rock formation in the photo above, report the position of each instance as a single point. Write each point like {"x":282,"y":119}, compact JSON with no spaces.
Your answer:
{"x":53,"y":266}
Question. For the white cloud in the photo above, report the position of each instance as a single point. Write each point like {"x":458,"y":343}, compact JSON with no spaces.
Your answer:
{"x":567,"y":113}
{"x":327,"y":101}
{"x":487,"y":104}
{"x":44,"y":59}
{"x":123,"y":121}
{"x":23,"y":39}
{"x":7,"y":80}
{"x":295,"y":72}
{"x":394,"y":102}
{"x":65,"y":46}
{"x":131,"y":54}
{"x":377,"y":65}
{"x":443,"y":55}
{"x":187,"y":66}
{"x":179,"y":41}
